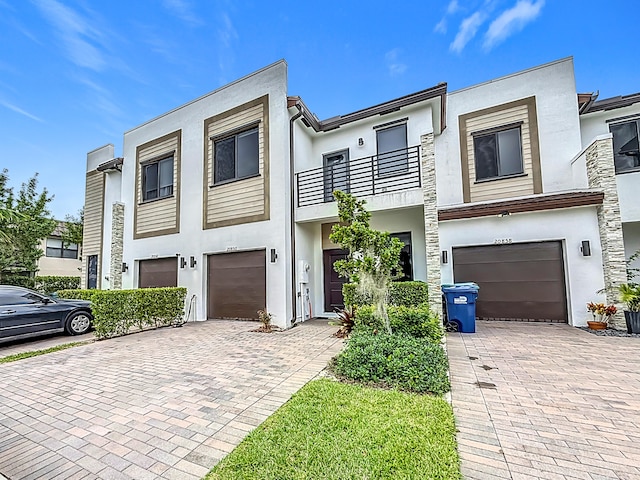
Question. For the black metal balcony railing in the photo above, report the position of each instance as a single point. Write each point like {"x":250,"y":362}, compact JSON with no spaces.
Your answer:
{"x":384,"y":173}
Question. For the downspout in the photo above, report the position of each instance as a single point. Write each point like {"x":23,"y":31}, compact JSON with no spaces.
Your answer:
{"x":294,"y":296}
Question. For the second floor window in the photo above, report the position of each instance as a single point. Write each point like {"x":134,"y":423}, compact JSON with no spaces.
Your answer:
{"x":498,"y":154}
{"x":392,"y":150}
{"x":236,"y":156}
{"x":626,"y":151}
{"x":157,"y":179}
{"x":56,"y":249}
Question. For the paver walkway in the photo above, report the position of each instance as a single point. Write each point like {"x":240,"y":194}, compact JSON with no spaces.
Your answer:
{"x":167,"y":403}
{"x":545,"y":401}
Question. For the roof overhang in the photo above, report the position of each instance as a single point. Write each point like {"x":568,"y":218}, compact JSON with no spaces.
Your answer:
{"x":115,"y":164}
{"x":535,"y":203}
{"x":436,"y":94}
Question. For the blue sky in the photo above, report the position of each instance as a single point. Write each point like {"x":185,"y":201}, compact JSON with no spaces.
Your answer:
{"x":76,"y":74}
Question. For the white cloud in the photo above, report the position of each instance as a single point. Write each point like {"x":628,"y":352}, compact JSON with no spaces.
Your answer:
{"x":394,"y":66}
{"x":453,"y":7}
{"x":441,"y":26}
{"x":183,"y":10}
{"x":468,"y":29}
{"x":512,"y":21}
{"x":13,"y":108}
{"x":80,"y":38}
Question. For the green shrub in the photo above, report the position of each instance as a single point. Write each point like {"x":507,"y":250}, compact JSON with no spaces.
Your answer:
{"x":419,"y":322}
{"x":409,"y":294}
{"x":399,"y":361}
{"x":18,"y":280}
{"x":115,"y":312}
{"x":48,"y":284}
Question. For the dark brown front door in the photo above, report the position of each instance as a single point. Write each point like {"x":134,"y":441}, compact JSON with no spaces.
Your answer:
{"x":520,"y":281}
{"x":159,"y":272}
{"x":237,"y":284}
{"x":332,"y":282}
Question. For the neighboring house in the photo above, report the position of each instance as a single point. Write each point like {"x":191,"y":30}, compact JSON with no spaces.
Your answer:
{"x":230,"y":196}
{"x":59,"y":259}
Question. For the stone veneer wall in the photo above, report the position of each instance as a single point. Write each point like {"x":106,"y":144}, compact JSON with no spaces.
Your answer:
{"x":601,"y":174}
{"x":431,"y":235}
{"x":117,"y":240}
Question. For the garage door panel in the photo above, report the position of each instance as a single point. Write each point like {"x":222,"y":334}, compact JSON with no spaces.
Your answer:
{"x":237,"y":284}
{"x":517,"y":281}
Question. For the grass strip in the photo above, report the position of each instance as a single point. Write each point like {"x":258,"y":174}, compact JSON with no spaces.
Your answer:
{"x":19,"y":356}
{"x":332,"y":430}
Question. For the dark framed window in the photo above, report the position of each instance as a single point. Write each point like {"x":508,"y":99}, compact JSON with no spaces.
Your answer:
{"x":626,"y":151}
{"x":392,"y":150}
{"x":336,"y":173}
{"x":406,"y":266}
{"x":92,"y":271}
{"x":498,"y":154}
{"x":157,"y":179}
{"x":57,"y":249}
{"x":236,"y":156}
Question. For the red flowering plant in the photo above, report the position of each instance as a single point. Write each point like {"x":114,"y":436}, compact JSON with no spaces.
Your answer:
{"x":601,"y":312}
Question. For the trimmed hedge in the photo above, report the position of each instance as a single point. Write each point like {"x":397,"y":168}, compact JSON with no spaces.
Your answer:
{"x":399,"y":361}
{"x":419,"y":322}
{"x":18,"y":280}
{"x":409,"y":294}
{"x":115,"y":312}
{"x":48,"y":284}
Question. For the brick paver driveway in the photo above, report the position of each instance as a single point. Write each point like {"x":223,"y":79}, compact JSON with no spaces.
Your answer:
{"x":546,"y":401}
{"x":167,"y":403}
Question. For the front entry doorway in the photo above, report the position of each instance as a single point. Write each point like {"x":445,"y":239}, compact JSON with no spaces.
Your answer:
{"x":332,"y":281}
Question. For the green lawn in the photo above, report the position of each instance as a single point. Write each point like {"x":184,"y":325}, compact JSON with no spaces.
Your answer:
{"x":35,"y":353}
{"x":332,"y":430}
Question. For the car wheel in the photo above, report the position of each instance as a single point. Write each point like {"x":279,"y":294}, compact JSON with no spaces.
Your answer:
{"x":78,"y":323}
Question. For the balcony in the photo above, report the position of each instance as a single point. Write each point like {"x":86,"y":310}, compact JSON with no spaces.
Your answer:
{"x":384,"y":173}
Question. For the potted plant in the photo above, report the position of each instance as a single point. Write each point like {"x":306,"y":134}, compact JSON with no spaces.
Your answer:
{"x":601,"y":315}
{"x":630,"y":294}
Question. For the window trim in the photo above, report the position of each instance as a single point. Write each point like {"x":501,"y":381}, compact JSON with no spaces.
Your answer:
{"x":623,"y":121}
{"x":389,"y":126}
{"x":62,"y":249}
{"x":495,"y":132}
{"x":157,"y":161}
{"x":233,"y":134}
{"x":534,"y":170}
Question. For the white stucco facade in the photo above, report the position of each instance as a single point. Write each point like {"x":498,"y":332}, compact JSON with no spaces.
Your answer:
{"x":295,"y":280}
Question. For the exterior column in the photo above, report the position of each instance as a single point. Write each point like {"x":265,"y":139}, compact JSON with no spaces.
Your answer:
{"x":601,"y":174}
{"x":117,"y":240}
{"x":431,"y":235}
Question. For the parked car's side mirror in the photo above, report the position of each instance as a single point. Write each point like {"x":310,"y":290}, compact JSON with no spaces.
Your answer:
{"x":46,"y":300}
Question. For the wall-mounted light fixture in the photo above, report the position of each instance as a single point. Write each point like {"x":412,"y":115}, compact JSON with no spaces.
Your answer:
{"x":360,"y":141}
{"x":444,"y":255}
{"x":183,"y":262}
{"x":192,"y":261}
{"x":274,"y":255}
{"x":504,"y":213}
{"x":585,"y":248}
{"x":125,"y":267}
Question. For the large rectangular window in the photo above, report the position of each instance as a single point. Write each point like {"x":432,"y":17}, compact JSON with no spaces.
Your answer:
{"x":392,"y":150}
{"x":236,"y":156}
{"x":157,"y":179}
{"x":57,"y":249}
{"x":626,"y":151}
{"x":498,"y":154}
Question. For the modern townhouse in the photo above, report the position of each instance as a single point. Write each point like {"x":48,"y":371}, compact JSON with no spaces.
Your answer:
{"x":230,"y":196}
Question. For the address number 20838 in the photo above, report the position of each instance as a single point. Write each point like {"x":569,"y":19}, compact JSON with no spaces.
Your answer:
{"x":502,"y":241}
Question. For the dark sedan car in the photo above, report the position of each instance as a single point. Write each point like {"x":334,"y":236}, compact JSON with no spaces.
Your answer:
{"x":25,"y":313}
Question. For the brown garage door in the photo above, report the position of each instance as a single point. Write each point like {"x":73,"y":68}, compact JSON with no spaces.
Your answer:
{"x":522,"y":281}
{"x":159,"y":272}
{"x":237,"y":284}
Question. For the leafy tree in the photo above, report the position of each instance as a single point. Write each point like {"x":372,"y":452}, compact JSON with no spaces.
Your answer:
{"x":25,"y":221}
{"x":373,"y":255}
{"x":74,"y":228}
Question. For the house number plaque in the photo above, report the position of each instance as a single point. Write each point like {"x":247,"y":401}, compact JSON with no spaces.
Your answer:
{"x":502,"y":241}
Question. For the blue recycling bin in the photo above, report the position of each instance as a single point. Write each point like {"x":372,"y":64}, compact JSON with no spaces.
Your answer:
{"x":461,"y":305}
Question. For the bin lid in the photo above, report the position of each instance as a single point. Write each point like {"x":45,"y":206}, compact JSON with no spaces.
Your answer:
{"x":460,"y":287}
